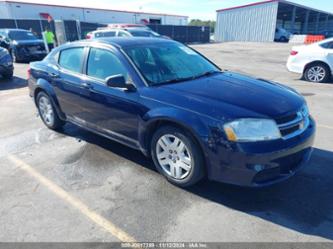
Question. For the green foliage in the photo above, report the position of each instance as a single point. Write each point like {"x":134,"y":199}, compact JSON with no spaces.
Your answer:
{"x":198,"y":22}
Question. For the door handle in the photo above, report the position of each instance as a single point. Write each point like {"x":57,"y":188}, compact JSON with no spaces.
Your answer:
{"x":86,"y":85}
{"x":54,"y":75}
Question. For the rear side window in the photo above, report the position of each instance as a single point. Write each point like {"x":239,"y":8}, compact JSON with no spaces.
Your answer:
{"x":327,"y":45}
{"x":103,"y":64}
{"x":71,"y":59}
{"x":106,"y":34}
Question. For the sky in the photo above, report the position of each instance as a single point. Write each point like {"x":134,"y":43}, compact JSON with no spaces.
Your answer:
{"x":195,"y":9}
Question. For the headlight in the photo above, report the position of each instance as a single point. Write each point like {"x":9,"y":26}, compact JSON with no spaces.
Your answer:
{"x":252,"y":130}
{"x":3,"y":52}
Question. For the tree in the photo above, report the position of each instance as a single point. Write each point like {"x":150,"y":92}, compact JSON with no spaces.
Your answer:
{"x":198,"y":22}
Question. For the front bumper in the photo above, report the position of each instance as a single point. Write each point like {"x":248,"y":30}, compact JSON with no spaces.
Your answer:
{"x":30,"y":56}
{"x":260,"y":164}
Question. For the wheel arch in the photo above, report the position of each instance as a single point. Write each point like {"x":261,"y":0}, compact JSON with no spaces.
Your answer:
{"x":44,"y":86}
{"x":317,"y":62}
{"x":192,"y":124}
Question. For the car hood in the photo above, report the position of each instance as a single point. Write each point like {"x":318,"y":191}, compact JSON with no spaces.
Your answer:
{"x":231,"y":95}
{"x":28,"y":42}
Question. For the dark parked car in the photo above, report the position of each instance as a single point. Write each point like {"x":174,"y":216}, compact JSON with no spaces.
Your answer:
{"x":6,"y":64}
{"x":168,"y":101}
{"x":23,"y":45}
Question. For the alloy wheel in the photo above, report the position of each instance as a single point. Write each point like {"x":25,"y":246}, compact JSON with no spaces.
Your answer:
{"x":316,"y":74}
{"x":46,"y":110}
{"x":174,"y":157}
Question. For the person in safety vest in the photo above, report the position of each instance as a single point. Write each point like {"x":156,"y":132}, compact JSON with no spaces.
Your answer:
{"x":50,"y":38}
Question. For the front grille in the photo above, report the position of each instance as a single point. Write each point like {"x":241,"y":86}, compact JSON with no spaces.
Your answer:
{"x":288,"y":131}
{"x":32,"y":48}
{"x":286,"y":119}
{"x":35,"y":48}
{"x":293,"y":124}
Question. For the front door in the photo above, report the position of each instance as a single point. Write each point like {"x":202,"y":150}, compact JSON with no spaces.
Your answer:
{"x":113,"y":111}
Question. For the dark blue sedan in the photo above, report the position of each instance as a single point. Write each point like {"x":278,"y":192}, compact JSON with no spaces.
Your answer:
{"x":170,"y":102}
{"x":6,"y":64}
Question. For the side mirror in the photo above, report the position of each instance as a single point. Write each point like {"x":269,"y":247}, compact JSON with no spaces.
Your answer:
{"x":119,"y":81}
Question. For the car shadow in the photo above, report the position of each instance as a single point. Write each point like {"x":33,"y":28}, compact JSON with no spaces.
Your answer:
{"x":14,"y":83}
{"x":303,"y":203}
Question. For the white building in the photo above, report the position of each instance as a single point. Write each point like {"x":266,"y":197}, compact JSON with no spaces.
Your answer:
{"x":258,"y":21}
{"x":11,"y":9}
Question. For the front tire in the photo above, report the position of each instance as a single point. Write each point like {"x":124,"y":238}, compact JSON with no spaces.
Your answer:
{"x":177,"y":156}
{"x":8,"y":76}
{"x":47,"y":112}
{"x":317,"y":73}
{"x":283,"y":39}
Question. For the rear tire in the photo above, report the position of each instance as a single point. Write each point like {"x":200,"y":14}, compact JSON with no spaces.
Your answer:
{"x":283,"y":39}
{"x":317,"y":73}
{"x":47,"y":112}
{"x":177,"y":156}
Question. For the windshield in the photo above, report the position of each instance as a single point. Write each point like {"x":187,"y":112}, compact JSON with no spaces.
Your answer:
{"x":21,"y":35}
{"x":143,"y":33}
{"x":169,"y":63}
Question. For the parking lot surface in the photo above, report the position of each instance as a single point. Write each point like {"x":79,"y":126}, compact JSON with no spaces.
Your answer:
{"x":76,"y":186}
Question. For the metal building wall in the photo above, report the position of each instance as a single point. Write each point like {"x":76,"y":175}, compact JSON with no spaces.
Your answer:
{"x":255,"y":23}
{"x":32,"y":11}
{"x":4,"y":11}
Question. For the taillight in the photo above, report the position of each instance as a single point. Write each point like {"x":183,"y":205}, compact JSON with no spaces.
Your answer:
{"x":293,"y":53}
{"x":88,"y":36}
{"x":29,"y":72}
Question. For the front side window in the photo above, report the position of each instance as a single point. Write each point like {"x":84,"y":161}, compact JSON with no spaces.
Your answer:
{"x":103,"y":64}
{"x":169,"y":62}
{"x":122,"y":34}
{"x":71,"y":59}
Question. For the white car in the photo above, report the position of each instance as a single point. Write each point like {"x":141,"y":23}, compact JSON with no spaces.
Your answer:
{"x":128,"y":32}
{"x":314,"y":62}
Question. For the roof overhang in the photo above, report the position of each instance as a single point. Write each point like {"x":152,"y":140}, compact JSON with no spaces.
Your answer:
{"x":274,"y":1}
{"x":89,"y":8}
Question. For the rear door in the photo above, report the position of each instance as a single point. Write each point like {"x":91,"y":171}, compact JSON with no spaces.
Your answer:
{"x":68,"y":81}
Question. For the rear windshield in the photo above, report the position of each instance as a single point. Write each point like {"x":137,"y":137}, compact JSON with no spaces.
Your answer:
{"x":21,"y":35}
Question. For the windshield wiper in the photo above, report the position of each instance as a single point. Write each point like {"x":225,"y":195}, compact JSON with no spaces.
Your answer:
{"x":177,"y":80}
{"x":208,"y":73}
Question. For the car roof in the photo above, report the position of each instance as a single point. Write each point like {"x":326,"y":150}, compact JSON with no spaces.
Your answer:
{"x":131,"y":41}
{"x":326,"y":40}
{"x":122,"y":42}
{"x":122,"y":29}
{"x":14,"y":30}
{"x":138,"y":29}
{"x":106,"y":30}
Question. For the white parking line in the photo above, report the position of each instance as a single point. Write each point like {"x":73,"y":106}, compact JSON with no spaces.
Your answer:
{"x":325,"y":126}
{"x":72,"y":201}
